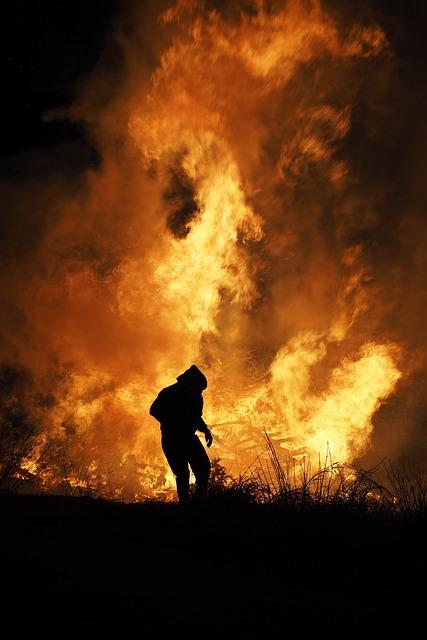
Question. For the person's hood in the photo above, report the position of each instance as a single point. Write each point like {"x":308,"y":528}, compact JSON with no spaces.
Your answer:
{"x":194,"y":378}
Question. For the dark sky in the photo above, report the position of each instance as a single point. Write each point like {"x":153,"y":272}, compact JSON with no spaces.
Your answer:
{"x":48,"y":47}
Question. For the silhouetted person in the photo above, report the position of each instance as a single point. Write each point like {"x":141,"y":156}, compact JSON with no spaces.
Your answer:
{"x":179,"y":410}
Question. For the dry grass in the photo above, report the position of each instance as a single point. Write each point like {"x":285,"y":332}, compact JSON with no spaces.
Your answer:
{"x":291,"y":483}
{"x":300,"y":485}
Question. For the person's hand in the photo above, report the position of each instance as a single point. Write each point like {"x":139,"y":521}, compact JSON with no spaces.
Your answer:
{"x":208,"y":438}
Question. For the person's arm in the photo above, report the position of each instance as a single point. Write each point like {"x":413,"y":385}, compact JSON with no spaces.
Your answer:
{"x":202,"y":426}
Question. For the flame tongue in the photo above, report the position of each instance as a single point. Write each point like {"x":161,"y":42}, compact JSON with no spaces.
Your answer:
{"x":193,"y":271}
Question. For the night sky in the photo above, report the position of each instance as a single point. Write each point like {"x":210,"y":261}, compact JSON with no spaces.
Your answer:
{"x":48,"y":48}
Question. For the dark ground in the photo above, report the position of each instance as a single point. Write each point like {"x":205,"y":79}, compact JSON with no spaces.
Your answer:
{"x":73,"y":564}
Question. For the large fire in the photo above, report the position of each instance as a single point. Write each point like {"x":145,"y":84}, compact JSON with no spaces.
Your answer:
{"x":226,"y":177}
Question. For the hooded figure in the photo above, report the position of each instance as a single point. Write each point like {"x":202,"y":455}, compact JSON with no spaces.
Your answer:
{"x":179,"y":410}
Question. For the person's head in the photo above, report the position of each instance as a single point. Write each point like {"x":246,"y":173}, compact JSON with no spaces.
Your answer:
{"x":193,"y":378}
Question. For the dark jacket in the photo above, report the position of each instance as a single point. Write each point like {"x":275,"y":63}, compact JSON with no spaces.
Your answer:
{"x":179,"y":410}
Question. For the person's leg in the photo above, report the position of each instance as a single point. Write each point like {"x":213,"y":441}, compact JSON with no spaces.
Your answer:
{"x":177,"y":460}
{"x":200,"y":466}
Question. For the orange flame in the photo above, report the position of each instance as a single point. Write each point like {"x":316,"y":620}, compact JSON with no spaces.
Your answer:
{"x":213,"y":103}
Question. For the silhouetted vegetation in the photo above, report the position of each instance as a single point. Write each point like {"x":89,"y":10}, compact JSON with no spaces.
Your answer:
{"x":295,"y":485}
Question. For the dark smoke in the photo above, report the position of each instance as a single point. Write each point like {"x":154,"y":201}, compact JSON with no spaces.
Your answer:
{"x":180,"y":196}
